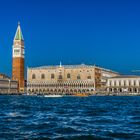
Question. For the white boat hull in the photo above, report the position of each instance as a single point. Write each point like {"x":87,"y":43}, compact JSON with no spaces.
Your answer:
{"x":53,"y":96}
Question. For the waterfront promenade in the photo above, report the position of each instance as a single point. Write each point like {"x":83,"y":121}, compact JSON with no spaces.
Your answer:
{"x":69,"y":95}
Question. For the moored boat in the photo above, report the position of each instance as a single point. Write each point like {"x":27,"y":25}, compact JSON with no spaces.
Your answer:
{"x":53,"y":96}
{"x":80,"y":95}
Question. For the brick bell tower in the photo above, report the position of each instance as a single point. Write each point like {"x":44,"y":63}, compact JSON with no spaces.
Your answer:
{"x":18,"y":59}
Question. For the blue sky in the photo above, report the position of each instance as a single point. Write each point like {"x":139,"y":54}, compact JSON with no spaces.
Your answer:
{"x":101,"y":32}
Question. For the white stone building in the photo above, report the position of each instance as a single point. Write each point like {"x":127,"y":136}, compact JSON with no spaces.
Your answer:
{"x":123,"y":83}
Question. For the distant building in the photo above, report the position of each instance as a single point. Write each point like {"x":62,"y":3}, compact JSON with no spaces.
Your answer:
{"x":123,"y":83}
{"x":67,"y":79}
{"x":3,"y":76}
{"x":18,"y":59}
{"x":7,"y":86}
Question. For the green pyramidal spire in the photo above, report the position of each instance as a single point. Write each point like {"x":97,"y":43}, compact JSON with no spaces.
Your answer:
{"x":18,"y":35}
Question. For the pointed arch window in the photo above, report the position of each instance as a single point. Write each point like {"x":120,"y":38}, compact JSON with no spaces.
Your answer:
{"x":60,"y":77}
{"x":78,"y":77}
{"x":68,"y":76}
{"x":52,"y":76}
{"x":42,"y":76}
{"x":89,"y":77}
{"x":33,"y":76}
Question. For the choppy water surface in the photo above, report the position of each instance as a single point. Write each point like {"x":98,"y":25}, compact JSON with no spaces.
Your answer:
{"x":24,"y":117}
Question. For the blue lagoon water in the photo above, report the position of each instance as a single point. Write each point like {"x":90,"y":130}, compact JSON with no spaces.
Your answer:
{"x":99,"y":117}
